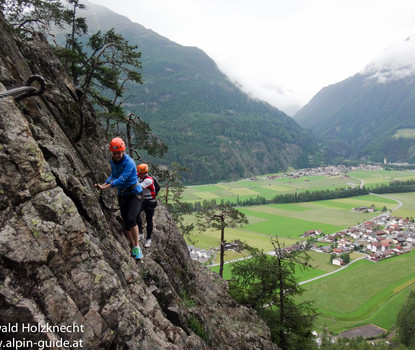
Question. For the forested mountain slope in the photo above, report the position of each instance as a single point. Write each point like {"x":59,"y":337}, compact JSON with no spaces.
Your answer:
{"x":371,"y":115}
{"x":209,"y":125}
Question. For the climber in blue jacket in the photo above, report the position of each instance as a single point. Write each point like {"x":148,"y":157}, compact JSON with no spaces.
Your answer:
{"x":124,"y":177}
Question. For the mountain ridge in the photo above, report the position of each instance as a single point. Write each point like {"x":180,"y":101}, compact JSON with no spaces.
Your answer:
{"x":362,"y":117}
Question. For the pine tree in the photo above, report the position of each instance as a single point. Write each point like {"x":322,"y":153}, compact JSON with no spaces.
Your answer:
{"x":268,"y":284}
{"x":406,"y":322}
{"x":220,"y":217}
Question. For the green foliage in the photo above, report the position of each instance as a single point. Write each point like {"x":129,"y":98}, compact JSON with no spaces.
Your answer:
{"x":140,"y":137}
{"x":268,"y":284}
{"x":254,"y":281}
{"x":219,"y":217}
{"x":29,"y":15}
{"x":101,"y":74}
{"x":406,"y":322}
{"x":345,"y":257}
{"x":297,"y":327}
{"x":196,"y":326}
{"x":112,"y":60}
{"x":187,"y":300}
{"x":395,"y":187}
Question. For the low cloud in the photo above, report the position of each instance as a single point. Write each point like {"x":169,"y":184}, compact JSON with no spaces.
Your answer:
{"x":277,"y":96}
{"x":395,"y":62}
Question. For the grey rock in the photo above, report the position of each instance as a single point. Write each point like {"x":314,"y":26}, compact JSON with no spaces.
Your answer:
{"x":64,"y":260}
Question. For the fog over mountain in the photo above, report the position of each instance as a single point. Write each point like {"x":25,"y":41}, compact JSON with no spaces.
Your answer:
{"x":395,"y":62}
{"x":369,"y":116}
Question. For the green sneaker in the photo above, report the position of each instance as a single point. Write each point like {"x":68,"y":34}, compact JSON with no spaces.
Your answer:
{"x":137,"y":253}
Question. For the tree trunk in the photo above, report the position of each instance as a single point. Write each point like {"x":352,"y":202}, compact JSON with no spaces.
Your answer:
{"x":283,"y":341}
{"x":129,"y":141}
{"x":222,"y":245}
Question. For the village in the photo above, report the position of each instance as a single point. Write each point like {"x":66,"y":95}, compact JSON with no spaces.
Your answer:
{"x":334,"y":170}
{"x":380,"y":238}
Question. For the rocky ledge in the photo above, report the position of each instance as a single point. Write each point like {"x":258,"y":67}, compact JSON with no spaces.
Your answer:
{"x":66,"y":276}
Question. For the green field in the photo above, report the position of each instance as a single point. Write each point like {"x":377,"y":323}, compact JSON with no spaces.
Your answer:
{"x":246,"y":189}
{"x":405,"y":133}
{"x":378,"y":177}
{"x":320,"y":262}
{"x":408,"y":210}
{"x":289,"y":221}
{"x":363,"y":293}
{"x":268,"y":188}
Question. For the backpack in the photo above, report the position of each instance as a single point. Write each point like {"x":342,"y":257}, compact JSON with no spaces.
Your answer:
{"x":156,"y":184}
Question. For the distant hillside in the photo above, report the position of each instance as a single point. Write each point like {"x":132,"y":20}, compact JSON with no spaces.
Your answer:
{"x":209,"y":125}
{"x":371,"y":115}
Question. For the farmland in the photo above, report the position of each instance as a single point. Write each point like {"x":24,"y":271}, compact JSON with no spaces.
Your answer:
{"x":271,"y":185}
{"x":289,"y":221}
{"x":342,"y":302}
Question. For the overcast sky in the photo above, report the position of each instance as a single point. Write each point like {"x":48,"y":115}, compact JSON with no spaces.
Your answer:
{"x":281,"y":51}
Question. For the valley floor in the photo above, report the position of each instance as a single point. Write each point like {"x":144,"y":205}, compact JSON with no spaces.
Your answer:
{"x":334,"y":224}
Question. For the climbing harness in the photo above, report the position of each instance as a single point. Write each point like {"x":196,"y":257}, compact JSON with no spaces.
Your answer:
{"x":27,"y":90}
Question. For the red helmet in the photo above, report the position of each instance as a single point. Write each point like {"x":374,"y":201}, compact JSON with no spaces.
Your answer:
{"x":117,"y":144}
{"x":142,"y":168}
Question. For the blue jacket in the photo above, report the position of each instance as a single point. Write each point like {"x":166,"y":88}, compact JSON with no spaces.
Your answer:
{"x":124,"y":175}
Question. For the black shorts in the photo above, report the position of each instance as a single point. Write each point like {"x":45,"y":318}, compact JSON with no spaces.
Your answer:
{"x":130,"y":206}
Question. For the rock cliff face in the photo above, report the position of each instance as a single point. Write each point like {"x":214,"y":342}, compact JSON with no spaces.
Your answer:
{"x":65,"y":270}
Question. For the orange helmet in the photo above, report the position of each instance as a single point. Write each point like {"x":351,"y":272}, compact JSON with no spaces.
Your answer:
{"x":117,"y":144}
{"x":142,"y":168}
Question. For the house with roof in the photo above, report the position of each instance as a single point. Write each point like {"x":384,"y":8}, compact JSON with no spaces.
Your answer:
{"x":374,"y":247}
{"x":381,"y":233}
{"x":374,"y":257}
{"x":392,"y":227}
{"x":384,"y":246}
{"x":338,"y":261}
{"x":326,"y":249}
{"x":381,"y":222}
{"x":356,"y":234}
{"x":198,"y":254}
{"x":364,"y":209}
{"x":372,"y":237}
{"x":312,"y":233}
{"x":398,"y":250}
{"x":388,"y":254}
{"x":410,"y":236}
